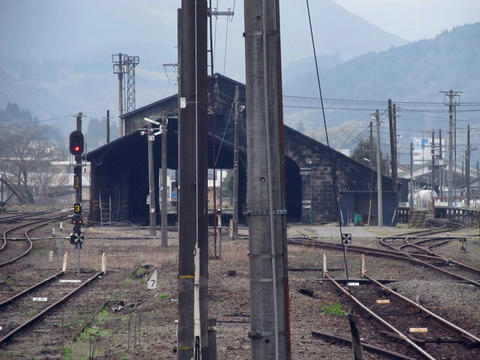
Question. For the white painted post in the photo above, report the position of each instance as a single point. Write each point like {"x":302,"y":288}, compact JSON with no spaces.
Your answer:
{"x":65,"y":258}
{"x":219,"y":242}
{"x":53,"y":231}
{"x":104,"y":263}
{"x":364,"y":269}
{"x":61,"y":226}
{"x":325,"y":271}
{"x":50,"y":256}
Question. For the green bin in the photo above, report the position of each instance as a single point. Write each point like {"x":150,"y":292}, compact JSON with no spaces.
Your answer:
{"x":357,"y":219}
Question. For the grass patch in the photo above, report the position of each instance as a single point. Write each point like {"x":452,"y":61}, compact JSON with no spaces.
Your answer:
{"x":93,"y":331}
{"x":102,"y":317}
{"x":68,"y":353}
{"x":164,"y":296}
{"x":334,"y":309}
{"x":128,"y":282}
{"x":140,"y":271}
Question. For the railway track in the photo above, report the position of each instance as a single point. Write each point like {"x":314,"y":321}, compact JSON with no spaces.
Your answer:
{"x":20,"y":311}
{"x":22,"y":216}
{"x":397,"y":249}
{"x":9,"y":256}
{"x":402,"y":321}
{"x":419,"y":248}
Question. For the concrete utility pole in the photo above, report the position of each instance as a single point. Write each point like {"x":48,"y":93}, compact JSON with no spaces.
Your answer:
{"x":151,"y":182}
{"x":376,"y":117}
{"x":393,"y":144}
{"x":108,"y":126}
{"x":269,"y":328}
{"x":193,"y":211}
{"x":163,"y":190}
{"x":433,"y":159}
{"x":371,"y":145}
{"x":467,"y":166}
{"x":440,"y":162}
{"x":453,"y":97}
{"x":478,"y":173}
{"x":120,"y":68}
{"x":410,"y":201}
{"x":235,"y":165}
{"x":395,"y":148}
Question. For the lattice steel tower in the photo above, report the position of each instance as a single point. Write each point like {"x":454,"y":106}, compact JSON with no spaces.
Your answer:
{"x":132,"y":62}
{"x":124,"y":64}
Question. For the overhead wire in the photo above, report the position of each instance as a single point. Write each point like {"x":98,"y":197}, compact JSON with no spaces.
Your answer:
{"x":332,"y":155}
{"x":34,"y":122}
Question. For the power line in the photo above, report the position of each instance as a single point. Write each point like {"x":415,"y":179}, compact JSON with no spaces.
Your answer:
{"x":16,"y":125}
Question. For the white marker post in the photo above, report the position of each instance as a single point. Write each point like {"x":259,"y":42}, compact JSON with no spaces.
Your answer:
{"x":152,"y":282}
{"x":65,"y":259}
{"x":364,"y":269}
{"x":325,"y":271}
{"x":104,"y":263}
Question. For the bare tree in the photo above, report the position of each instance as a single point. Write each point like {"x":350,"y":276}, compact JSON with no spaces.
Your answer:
{"x":25,"y":157}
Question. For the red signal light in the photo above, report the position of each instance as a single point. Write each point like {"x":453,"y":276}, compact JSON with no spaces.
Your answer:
{"x":76,"y":143}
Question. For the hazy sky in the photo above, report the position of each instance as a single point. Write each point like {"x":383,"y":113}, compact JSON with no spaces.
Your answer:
{"x":415,"y":19}
{"x":83,"y":34}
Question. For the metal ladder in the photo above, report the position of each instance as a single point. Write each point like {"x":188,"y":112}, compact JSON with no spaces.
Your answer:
{"x":105,"y":211}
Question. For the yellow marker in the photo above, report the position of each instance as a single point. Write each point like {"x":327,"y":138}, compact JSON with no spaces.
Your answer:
{"x":418,"y":330}
{"x":383,"y":301}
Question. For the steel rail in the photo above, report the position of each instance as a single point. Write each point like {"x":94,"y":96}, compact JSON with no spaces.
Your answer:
{"x":372,"y":348}
{"x":383,"y":322}
{"x":33,"y":287}
{"x":354,"y":248}
{"x":49,"y":308}
{"x":27,"y":215}
{"x":440,"y":257}
{"x":447,"y":323}
{"x":413,"y":258}
{"x":393,"y":253}
{"x":41,"y":223}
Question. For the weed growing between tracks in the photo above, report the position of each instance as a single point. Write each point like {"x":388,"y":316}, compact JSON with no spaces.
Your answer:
{"x":334,"y":309}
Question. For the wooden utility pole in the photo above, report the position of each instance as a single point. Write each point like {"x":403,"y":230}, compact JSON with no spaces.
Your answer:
{"x":163,"y":190}
{"x":379,"y":173}
{"x":266,"y":182}
{"x":235,"y":165}
{"x":193,"y":211}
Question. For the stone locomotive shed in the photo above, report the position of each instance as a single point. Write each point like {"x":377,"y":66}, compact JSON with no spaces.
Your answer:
{"x":119,"y":169}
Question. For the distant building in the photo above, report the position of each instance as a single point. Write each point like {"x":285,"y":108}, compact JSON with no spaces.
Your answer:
{"x":119,"y":169}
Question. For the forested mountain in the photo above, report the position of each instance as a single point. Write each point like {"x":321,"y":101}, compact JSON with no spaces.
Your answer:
{"x":413,"y":72}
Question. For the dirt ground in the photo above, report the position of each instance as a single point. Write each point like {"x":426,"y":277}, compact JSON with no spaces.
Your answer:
{"x":129,"y":321}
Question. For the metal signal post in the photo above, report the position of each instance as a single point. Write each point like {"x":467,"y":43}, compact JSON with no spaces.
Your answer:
{"x":76,"y":148}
